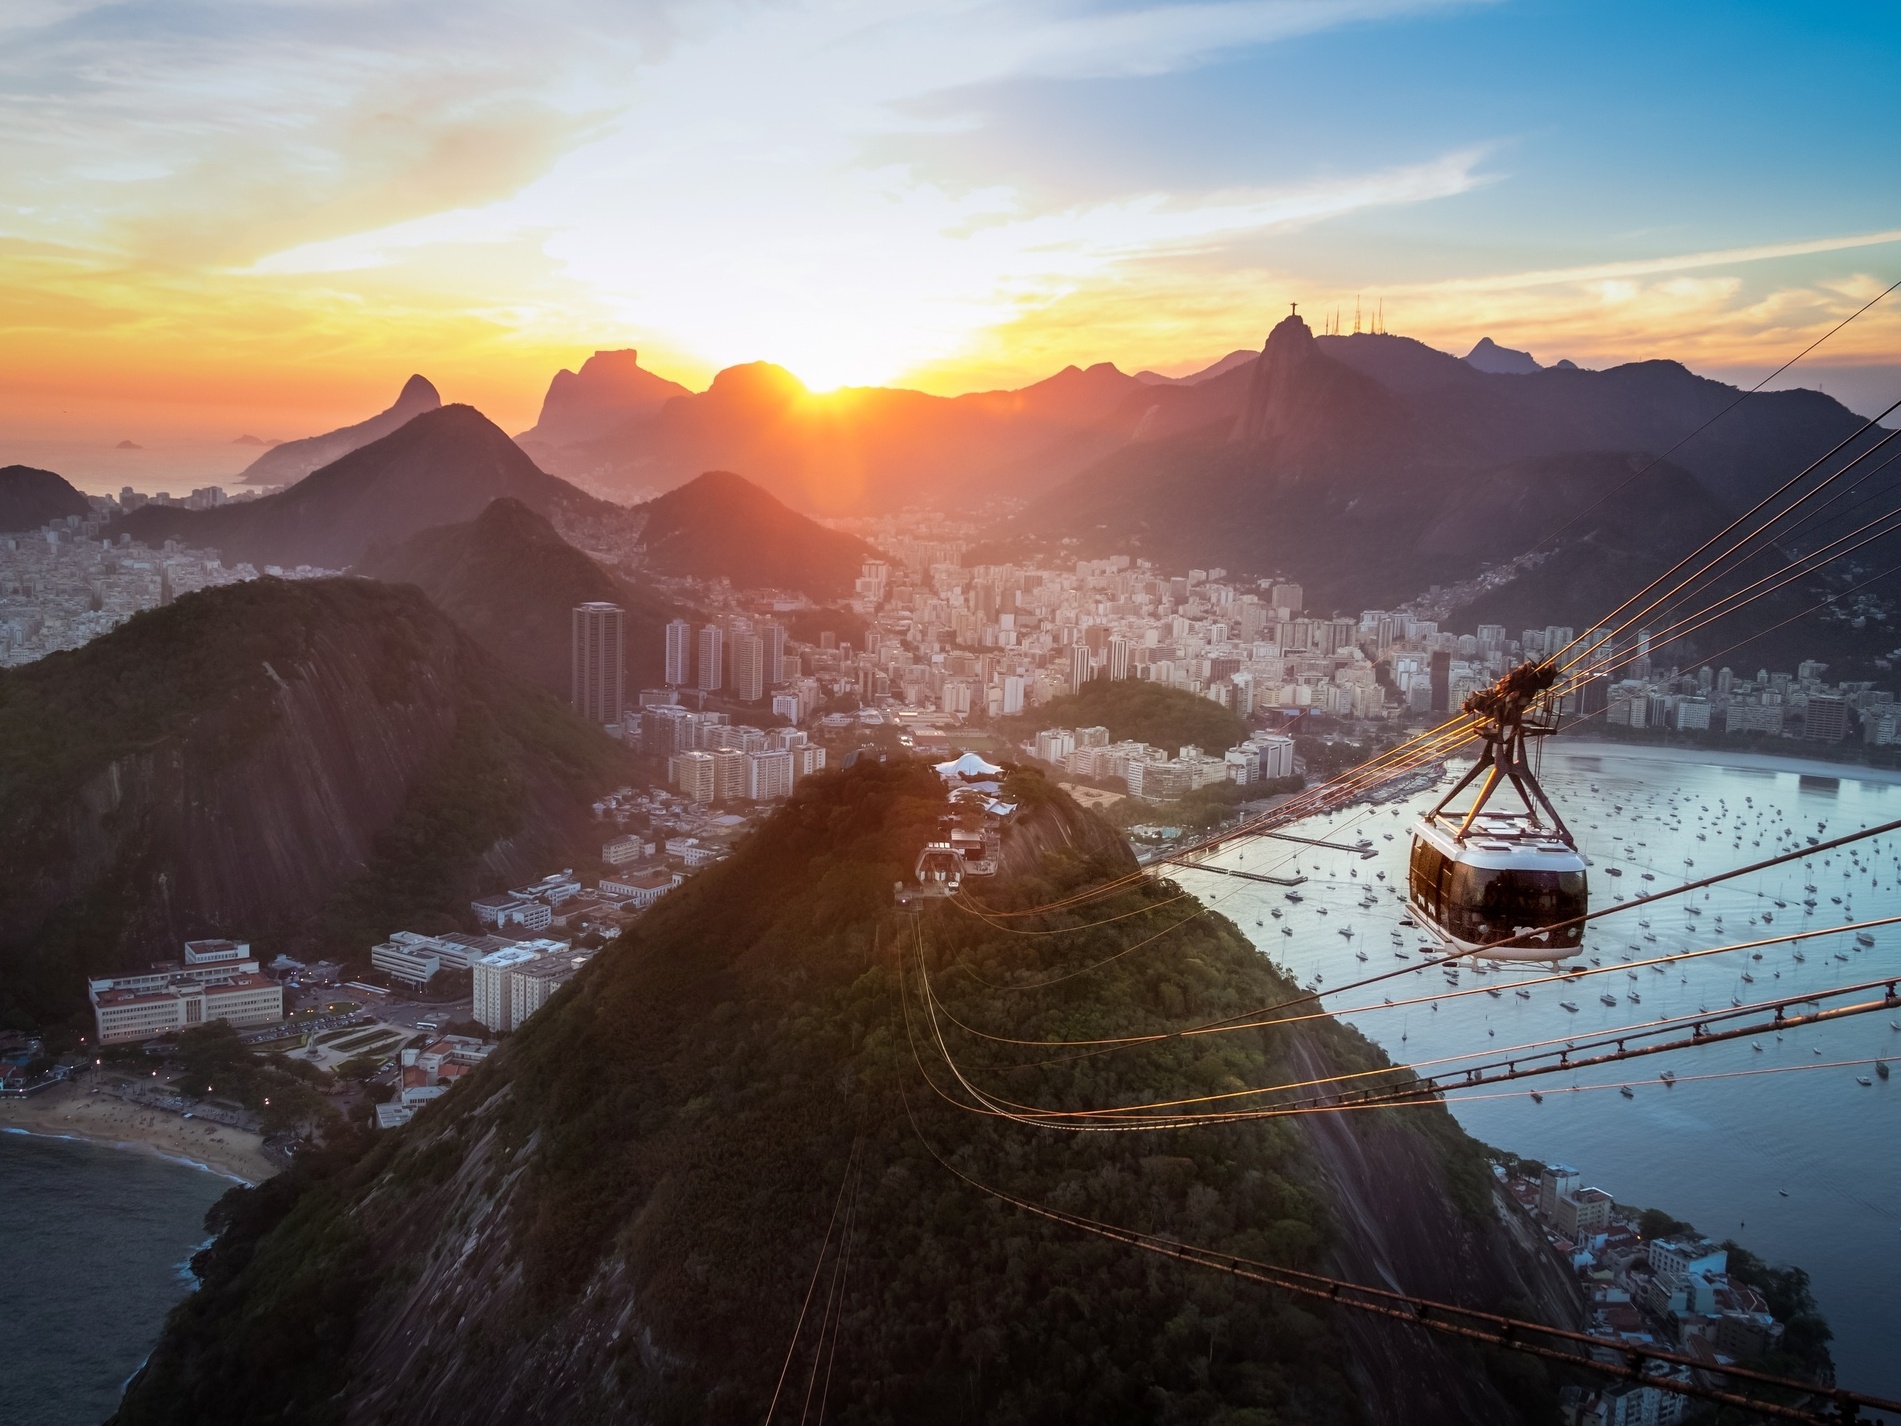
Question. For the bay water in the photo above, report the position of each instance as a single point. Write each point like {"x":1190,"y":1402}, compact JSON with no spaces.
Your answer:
{"x":94,"y":1247}
{"x":1771,"y":1140}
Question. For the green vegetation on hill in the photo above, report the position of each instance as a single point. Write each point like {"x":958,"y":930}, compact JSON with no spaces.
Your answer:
{"x":286,"y":709}
{"x":1134,"y":708}
{"x":651,"y":1163}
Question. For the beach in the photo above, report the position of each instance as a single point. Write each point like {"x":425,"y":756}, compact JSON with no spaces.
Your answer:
{"x":70,"y":1111}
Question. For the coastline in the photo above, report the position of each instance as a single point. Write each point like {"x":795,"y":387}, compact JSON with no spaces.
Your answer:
{"x":1723,"y":757}
{"x":69,"y":1112}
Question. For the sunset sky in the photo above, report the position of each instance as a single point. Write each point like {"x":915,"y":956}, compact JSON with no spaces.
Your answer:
{"x":234,"y":216}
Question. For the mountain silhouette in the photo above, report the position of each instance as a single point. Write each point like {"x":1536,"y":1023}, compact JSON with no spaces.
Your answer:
{"x":441,"y":467}
{"x":1489,"y":356}
{"x":610,"y":390}
{"x":511,"y":582}
{"x":722,"y":525}
{"x":1368,"y":467}
{"x":859,"y":448}
{"x":291,"y":461}
{"x":29,"y":498}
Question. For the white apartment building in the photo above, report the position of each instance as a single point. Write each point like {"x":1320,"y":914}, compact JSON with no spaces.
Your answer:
{"x":513,"y":984}
{"x":492,"y":1004}
{"x":768,"y":775}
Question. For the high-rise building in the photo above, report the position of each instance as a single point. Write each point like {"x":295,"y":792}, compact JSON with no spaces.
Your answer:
{"x":773,"y":632}
{"x":712,"y":660}
{"x":693,"y":774}
{"x":1441,"y":676}
{"x":1080,"y":667}
{"x":1288,"y":597}
{"x":749,"y":668}
{"x":729,"y":774}
{"x":599,"y":663}
{"x":679,"y":653}
{"x":768,"y":775}
{"x":1118,"y":664}
{"x":1827,"y":718}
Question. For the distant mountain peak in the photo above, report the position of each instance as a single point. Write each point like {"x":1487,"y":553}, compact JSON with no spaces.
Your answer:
{"x":1489,"y":356}
{"x":290,"y":461}
{"x":419,"y":393}
{"x":759,"y":380}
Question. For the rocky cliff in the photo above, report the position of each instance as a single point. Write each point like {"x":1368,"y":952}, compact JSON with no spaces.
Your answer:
{"x":300,"y":765}
{"x":621,"y":1216}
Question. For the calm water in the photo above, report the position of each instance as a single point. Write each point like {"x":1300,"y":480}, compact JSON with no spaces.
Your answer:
{"x":93,"y":1247}
{"x":1721,"y":1153}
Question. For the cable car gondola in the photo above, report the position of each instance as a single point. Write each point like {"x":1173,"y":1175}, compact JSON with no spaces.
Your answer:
{"x":1501,"y":880}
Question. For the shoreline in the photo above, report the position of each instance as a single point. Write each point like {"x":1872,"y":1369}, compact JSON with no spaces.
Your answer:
{"x":1743,"y":761}
{"x":69,"y":1112}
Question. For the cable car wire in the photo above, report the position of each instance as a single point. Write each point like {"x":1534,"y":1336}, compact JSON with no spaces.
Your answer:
{"x":1625,"y":1360}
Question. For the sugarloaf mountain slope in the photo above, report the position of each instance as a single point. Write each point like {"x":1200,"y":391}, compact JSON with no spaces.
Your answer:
{"x":618,"y":1216}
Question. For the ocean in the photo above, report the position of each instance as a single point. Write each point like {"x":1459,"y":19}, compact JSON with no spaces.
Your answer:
{"x":1785,"y":1152}
{"x":94,"y":1247}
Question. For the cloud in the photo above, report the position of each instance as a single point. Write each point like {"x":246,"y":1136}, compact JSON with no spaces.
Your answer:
{"x":699,"y":173}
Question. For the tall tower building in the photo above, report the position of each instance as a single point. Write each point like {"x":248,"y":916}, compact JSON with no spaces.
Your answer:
{"x":679,"y":653}
{"x":712,"y":660}
{"x":749,"y":668}
{"x":599,"y":664}
{"x":773,"y":632}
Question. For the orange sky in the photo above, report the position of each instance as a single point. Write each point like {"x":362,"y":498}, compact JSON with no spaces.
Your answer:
{"x":226,"y":219}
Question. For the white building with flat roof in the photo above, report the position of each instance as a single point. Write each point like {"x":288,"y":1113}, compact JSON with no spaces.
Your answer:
{"x":492,"y":1007}
{"x":209,"y":985}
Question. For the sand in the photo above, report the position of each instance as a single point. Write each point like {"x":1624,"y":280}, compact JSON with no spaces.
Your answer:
{"x":69,"y":1110}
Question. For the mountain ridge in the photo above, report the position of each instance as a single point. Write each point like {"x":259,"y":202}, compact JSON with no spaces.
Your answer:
{"x":290,"y":461}
{"x":440,"y":467}
{"x":724,"y":1073}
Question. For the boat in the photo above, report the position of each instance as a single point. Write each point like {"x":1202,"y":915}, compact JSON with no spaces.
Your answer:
{"x":1493,"y":991}
{"x":1275,"y":913}
{"x":1627,"y":1092}
{"x":1782,"y":1192}
{"x":1607,"y":999}
{"x":1863,"y":1080}
{"x":1537,"y":1098}
{"x":1748,"y":979}
{"x":1881,"y":1068}
{"x":1612,"y":871}
{"x":1359,"y":955}
{"x":1634,"y":998}
{"x":1668,"y":1076}
{"x":1523,"y":994}
{"x":1568,"y":1006}
{"x":1295,"y":896}
{"x":1649,"y":877}
{"x":1862,"y":938}
{"x":1756,"y":1045}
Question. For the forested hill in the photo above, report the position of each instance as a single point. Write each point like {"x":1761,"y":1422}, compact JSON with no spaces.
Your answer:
{"x":617,"y":1218}
{"x":304,"y":765}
